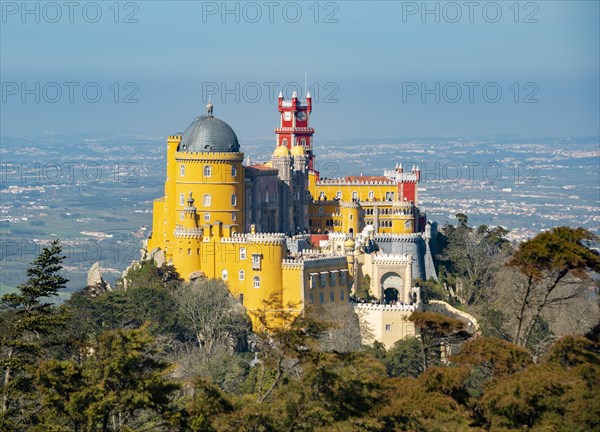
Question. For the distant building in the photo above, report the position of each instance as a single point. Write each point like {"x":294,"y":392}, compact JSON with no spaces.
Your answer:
{"x":278,"y":233}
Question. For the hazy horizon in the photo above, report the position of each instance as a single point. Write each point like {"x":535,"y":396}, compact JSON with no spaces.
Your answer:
{"x":375,"y":69}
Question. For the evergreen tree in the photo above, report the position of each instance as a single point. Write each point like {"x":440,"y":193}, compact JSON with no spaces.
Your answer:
{"x":27,"y":318}
{"x":120,"y":386}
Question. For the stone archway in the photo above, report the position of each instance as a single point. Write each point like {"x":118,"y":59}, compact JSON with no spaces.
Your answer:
{"x":392,"y":287}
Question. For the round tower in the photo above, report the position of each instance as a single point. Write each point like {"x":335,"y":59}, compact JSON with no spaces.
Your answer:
{"x":188,"y":241}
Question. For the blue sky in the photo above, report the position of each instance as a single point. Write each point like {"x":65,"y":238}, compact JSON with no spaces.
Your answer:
{"x":373,"y":64}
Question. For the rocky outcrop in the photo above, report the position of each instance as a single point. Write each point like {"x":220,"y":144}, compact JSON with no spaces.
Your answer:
{"x":96,"y":285}
{"x":197,"y":275}
{"x":158,"y":256}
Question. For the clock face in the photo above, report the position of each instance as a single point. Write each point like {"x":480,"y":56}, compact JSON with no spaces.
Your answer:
{"x":287,"y":116}
{"x":301,"y":115}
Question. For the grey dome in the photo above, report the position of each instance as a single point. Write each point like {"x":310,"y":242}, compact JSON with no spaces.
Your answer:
{"x":209,"y":134}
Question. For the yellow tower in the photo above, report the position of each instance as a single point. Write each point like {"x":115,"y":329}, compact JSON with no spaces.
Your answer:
{"x":206,"y":163}
{"x":188,"y":240}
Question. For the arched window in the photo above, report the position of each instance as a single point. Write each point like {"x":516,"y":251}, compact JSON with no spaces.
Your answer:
{"x":242,"y":275}
{"x":256,"y":282}
{"x":181,"y":199}
{"x":233,"y":200}
{"x":322,"y":195}
{"x":224,"y":274}
{"x":233,"y":171}
{"x":354,"y":196}
{"x":284,"y":142}
{"x":207,"y":170}
{"x":303,"y":142}
{"x":243,"y":253}
{"x":182,"y":170}
{"x":371,"y":195}
{"x":338,"y":195}
{"x":207,"y":200}
{"x":266,"y":196}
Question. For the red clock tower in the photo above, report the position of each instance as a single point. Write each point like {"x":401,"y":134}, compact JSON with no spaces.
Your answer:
{"x":293,"y":126}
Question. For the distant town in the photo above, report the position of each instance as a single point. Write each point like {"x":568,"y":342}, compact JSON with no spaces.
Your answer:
{"x":108,"y":185}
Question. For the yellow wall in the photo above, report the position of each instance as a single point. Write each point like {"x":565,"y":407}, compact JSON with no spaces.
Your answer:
{"x":220,"y":186}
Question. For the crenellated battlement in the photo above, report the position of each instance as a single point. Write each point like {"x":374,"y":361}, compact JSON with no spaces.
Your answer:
{"x":181,"y":156}
{"x":393,"y":259}
{"x":404,"y":177}
{"x":181,"y":232}
{"x":310,"y":262}
{"x":385,"y":307}
{"x":406,"y":238}
{"x":260,"y":238}
{"x":344,"y":182}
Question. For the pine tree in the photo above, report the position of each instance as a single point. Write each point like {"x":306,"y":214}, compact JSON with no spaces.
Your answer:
{"x":27,"y":317}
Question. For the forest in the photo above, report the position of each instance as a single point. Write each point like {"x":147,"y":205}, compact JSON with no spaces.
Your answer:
{"x":159,"y":354}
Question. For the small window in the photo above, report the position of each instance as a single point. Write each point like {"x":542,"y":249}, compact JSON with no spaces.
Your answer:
{"x":266,"y":196}
{"x":255,"y":261}
{"x":332,"y":280}
{"x":256,"y":282}
{"x":242,"y":275}
{"x":342,"y":295}
{"x":233,"y":216}
{"x":181,"y":199}
{"x":234,"y":200}
{"x":321,"y":210}
{"x":243,"y":253}
{"x":323,"y":280}
{"x":312,"y":298}
{"x":322,"y":195}
{"x":207,"y":170}
{"x":206,"y":216}
{"x":321,"y":297}
{"x":354,"y":196}
{"x":224,"y":274}
{"x":371,"y":195}
{"x":338,"y":195}
{"x":303,"y":142}
{"x":284,"y":142}
{"x":207,"y":200}
{"x":181,"y":215}
{"x":388,"y":327}
{"x":242,"y":298}
{"x":189,"y":251}
{"x":182,"y":170}
{"x":331,"y":297}
{"x":233,"y":171}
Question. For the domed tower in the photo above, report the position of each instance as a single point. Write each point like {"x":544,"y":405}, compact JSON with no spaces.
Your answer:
{"x":205,"y":161}
{"x":209,"y":165}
